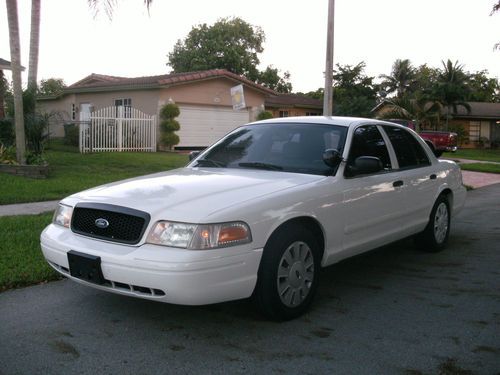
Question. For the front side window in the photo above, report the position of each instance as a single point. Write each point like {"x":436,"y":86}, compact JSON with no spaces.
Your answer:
{"x":409,"y":151}
{"x":296,"y":148}
{"x":367,"y":141}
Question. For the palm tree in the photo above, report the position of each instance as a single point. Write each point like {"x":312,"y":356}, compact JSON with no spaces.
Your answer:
{"x":15,"y":55}
{"x":34,"y":45}
{"x":451,"y":89}
{"x":109,"y":5}
{"x":401,"y":78}
{"x":496,"y":8}
{"x":420,"y":109}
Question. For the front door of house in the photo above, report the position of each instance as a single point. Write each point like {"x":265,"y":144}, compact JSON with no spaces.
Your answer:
{"x":85,"y":112}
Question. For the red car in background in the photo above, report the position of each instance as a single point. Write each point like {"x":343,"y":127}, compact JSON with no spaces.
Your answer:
{"x":438,"y":141}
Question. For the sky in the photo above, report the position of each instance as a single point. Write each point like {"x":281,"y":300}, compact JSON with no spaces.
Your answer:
{"x":75,"y":42}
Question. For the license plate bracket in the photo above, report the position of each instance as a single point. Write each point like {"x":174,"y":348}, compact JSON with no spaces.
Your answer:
{"x":85,"y":267}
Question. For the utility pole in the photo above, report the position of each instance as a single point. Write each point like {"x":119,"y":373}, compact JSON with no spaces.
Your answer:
{"x":328,"y":93}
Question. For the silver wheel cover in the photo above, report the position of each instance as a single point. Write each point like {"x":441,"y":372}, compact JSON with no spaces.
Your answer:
{"x":441,"y":219}
{"x":295,"y":274}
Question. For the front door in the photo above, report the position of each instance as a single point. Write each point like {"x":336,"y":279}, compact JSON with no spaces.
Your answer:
{"x":85,"y":112}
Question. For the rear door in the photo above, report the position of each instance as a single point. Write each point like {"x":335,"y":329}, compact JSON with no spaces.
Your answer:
{"x":374,"y":204}
{"x":414,"y":168}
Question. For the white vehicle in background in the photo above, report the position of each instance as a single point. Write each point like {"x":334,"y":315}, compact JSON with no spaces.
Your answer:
{"x":258,"y":214}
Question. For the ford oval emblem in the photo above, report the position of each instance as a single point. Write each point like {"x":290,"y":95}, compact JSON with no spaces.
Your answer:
{"x":101,"y":223}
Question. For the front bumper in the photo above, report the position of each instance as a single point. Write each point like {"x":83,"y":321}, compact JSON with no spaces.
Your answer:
{"x":179,"y":276}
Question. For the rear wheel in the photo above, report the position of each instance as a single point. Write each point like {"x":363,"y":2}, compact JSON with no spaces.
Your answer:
{"x":435,"y":235}
{"x":288,"y":274}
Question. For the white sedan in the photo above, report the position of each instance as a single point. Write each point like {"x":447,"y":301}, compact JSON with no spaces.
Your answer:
{"x":258,"y":214}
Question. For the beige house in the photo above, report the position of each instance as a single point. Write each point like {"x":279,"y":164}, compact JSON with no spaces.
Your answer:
{"x":204,"y":99}
{"x":288,"y":105}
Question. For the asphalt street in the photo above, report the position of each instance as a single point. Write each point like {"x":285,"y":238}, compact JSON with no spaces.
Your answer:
{"x":392,"y":311}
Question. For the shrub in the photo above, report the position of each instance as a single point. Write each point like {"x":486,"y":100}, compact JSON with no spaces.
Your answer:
{"x":264,"y":115}
{"x":169,"y":111}
{"x":36,"y":126}
{"x":7,"y":154}
{"x":71,"y":135}
{"x":7,"y":135}
{"x":169,"y":138}
{"x":169,"y":125}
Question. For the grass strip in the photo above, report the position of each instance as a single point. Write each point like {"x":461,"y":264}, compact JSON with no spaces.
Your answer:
{"x":481,"y":167}
{"x":72,"y":172}
{"x":21,"y":259}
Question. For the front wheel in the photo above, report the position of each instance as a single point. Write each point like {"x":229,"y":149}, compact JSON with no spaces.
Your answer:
{"x":288,"y":274}
{"x":435,"y":235}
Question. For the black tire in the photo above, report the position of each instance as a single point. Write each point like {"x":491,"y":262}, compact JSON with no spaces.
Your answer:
{"x":435,"y":235}
{"x":438,"y":153}
{"x":289,"y":295}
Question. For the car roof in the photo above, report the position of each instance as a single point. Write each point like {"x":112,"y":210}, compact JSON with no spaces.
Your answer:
{"x":327,"y":120}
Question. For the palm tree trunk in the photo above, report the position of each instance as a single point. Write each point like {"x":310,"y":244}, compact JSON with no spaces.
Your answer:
{"x":15,"y":57}
{"x":34,"y":45}
{"x":2,"y":95}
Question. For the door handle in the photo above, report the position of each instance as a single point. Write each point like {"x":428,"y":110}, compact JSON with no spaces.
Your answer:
{"x":433,"y":176}
{"x":397,"y":183}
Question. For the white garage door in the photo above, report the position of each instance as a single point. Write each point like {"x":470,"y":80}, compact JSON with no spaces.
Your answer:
{"x":203,"y":125}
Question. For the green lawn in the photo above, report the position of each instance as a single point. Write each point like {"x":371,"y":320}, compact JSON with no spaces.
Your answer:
{"x":21,"y":260}
{"x":474,"y":154}
{"x":481,"y":167}
{"x":72,"y":172}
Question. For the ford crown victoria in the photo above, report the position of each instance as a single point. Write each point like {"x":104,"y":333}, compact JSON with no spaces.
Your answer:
{"x":258,"y":214}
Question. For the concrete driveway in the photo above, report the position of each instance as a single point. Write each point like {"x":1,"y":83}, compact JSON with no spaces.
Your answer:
{"x":392,"y":311}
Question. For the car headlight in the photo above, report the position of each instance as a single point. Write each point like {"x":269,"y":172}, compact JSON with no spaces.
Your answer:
{"x":62,"y":216}
{"x":199,"y":236}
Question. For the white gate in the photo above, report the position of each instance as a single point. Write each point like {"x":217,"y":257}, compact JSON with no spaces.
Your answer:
{"x":118,"y":129}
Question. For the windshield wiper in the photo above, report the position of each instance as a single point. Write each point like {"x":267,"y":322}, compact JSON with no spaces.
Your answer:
{"x":209,"y":163}
{"x":259,"y":165}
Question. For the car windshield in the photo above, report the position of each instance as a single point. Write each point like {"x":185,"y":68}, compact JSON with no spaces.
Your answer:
{"x":288,"y":147}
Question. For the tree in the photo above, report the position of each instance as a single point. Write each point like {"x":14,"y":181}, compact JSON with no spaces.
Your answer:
{"x":482,"y":88}
{"x":425,"y":80}
{"x":231,"y":44}
{"x":34,"y":45}
{"x":15,"y":55}
{"x":451,"y":89}
{"x":109,"y":6}
{"x":51,"y":87}
{"x":271,"y":79}
{"x":354,"y":93}
{"x":426,"y":113}
{"x":496,"y":8}
{"x":401,"y":79}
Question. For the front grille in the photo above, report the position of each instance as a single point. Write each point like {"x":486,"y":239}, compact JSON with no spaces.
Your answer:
{"x":109,"y":222}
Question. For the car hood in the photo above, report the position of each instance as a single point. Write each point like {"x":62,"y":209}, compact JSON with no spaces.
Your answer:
{"x":192,"y":194}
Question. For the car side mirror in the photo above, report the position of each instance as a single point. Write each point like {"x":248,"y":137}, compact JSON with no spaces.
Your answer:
{"x":365,"y":165}
{"x":193,"y":155}
{"x":332,"y":157}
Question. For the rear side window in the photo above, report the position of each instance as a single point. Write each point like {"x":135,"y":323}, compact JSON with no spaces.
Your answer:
{"x":409,"y":151}
{"x":367,"y":141}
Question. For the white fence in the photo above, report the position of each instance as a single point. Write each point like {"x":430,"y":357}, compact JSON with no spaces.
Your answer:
{"x":118,"y":129}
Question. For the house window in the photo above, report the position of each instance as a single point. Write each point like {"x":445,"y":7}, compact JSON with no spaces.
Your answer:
{"x":284,"y":114}
{"x":474,"y":131}
{"x":127,"y":106}
{"x":73,"y":111}
{"x":313,"y":114}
